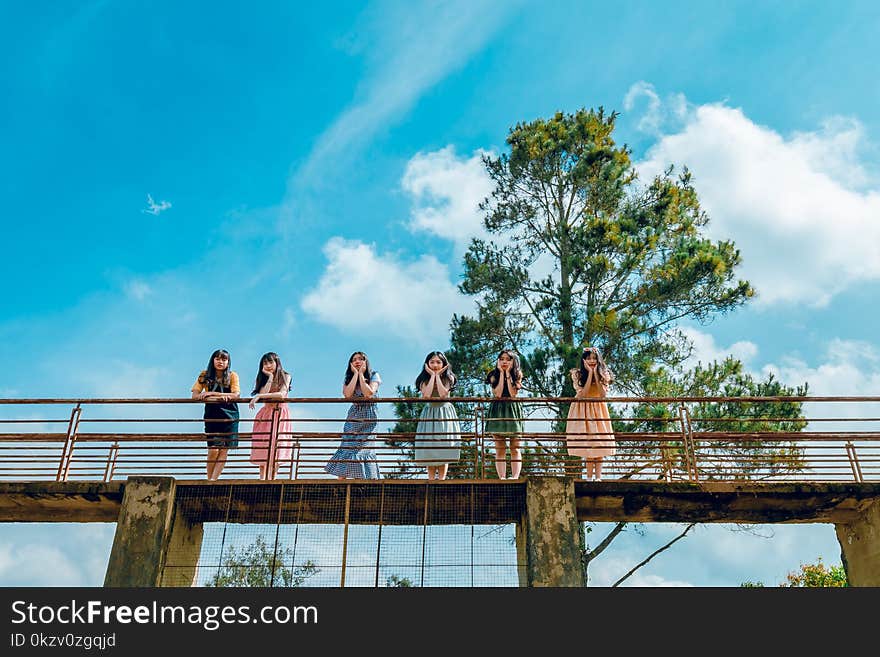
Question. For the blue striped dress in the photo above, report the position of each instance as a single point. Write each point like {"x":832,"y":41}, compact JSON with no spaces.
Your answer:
{"x":355,"y":458}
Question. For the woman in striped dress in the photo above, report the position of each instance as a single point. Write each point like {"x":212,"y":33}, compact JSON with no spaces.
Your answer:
{"x":355,"y":458}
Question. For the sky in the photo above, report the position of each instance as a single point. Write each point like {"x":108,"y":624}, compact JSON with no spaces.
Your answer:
{"x":304,"y":179}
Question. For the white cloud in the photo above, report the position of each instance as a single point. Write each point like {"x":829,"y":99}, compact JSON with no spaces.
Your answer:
{"x":607,"y":569}
{"x":706,"y":350}
{"x":447,"y":191}
{"x":138,"y":290}
{"x":845,"y":368}
{"x":78,"y":559}
{"x":154,"y":208}
{"x":363,"y":290}
{"x":848,"y":367}
{"x":26,"y":564}
{"x":793,"y":205}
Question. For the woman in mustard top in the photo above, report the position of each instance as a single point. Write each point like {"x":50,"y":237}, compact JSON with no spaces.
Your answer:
{"x":219,"y":384}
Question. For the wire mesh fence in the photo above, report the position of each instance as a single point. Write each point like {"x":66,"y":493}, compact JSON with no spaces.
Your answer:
{"x":396,"y":534}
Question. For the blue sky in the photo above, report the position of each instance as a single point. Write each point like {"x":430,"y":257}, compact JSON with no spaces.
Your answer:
{"x":318,"y":170}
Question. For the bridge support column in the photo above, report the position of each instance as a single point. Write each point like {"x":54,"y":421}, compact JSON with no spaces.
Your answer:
{"x":860,"y":547}
{"x":547,"y":537}
{"x":147,"y":531}
{"x":180,"y":565}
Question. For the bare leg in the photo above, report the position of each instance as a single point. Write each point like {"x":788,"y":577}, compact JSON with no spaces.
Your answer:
{"x":431,"y":470}
{"x":597,"y":465}
{"x":209,"y":463}
{"x":515,"y":458}
{"x":219,"y":463}
{"x":441,"y":470}
{"x":500,"y":456}
{"x":263,"y":468}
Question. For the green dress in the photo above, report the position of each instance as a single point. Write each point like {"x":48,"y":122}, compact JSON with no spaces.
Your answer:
{"x":505,"y":415}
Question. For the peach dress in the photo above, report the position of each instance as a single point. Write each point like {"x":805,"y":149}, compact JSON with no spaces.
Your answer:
{"x":588,"y":432}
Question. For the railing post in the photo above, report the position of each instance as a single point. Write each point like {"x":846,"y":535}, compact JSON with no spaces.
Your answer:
{"x":294,"y":460}
{"x":665,"y":458}
{"x":854,"y":461}
{"x":688,"y":437}
{"x":479,"y":470}
{"x":273,"y":443}
{"x":67,"y":450}
{"x":111,"y":461}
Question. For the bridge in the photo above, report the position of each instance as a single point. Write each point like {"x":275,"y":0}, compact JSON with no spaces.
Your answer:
{"x":139,"y":462}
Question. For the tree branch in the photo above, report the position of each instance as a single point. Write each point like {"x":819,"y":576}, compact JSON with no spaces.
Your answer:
{"x":589,"y":555}
{"x":655,"y":553}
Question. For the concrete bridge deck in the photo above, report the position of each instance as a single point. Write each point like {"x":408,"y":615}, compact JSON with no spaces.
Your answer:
{"x":451,"y":502}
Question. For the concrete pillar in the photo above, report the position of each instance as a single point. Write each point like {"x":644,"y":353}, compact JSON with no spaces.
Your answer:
{"x":547,"y":539}
{"x":148,"y":535}
{"x":860,"y":547}
{"x":182,"y":555}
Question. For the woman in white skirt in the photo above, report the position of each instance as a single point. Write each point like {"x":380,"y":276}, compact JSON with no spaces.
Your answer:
{"x":438,"y":436}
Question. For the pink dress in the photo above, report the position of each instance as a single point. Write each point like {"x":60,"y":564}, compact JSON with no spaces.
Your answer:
{"x":261,"y":443}
{"x":588,"y":430}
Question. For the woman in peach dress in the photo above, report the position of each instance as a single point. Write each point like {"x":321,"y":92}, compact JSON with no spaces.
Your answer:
{"x":588,"y":431}
{"x":271,"y":387}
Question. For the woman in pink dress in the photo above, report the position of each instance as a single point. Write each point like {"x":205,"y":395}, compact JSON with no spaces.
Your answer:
{"x":588,"y":429}
{"x":272,"y":385}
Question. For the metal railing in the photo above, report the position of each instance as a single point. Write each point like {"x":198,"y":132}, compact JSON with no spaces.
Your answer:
{"x":668,"y":439}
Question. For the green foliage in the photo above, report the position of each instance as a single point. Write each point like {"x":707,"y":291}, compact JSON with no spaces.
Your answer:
{"x":816,"y":575}
{"x":257,"y":565}
{"x":393,"y":581}
{"x":586,"y":255}
{"x":750,"y":454}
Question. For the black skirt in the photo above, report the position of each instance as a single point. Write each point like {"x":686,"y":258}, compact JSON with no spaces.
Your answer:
{"x":222,"y":421}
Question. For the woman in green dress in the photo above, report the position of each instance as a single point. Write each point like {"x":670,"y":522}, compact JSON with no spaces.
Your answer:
{"x":505,"y":419}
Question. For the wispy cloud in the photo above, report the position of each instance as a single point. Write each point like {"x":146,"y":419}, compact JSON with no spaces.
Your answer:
{"x":408,"y":49}
{"x":658,"y":113}
{"x":138,"y":290}
{"x":154,"y":208}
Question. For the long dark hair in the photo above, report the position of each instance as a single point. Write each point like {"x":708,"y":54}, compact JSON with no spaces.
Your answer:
{"x":278,"y":379}
{"x":448,"y":377}
{"x":367,"y":374}
{"x":602,"y":371}
{"x":515,"y":372}
{"x":209,"y":378}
